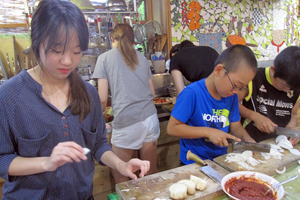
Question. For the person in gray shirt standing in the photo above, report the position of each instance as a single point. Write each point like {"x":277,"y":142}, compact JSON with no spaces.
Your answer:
{"x":126,"y":73}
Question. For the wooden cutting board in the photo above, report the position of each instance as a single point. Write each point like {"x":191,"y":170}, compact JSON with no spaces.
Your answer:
{"x":156,"y":186}
{"x":287,"y":160}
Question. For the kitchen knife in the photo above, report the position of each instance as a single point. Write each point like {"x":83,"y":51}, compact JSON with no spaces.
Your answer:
{"x":206,"y":169}
{"x":261,"y":147}
{"x":287,"y":132}
{"x":238,"y":146}
{"x":211,"y":173}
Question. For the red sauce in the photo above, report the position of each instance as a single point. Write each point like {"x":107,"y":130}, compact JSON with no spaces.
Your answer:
{"x":248,"y":188}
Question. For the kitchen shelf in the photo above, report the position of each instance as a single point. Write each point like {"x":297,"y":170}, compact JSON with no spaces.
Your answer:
{"x":109,"y":12}
{"x":13,"y":25}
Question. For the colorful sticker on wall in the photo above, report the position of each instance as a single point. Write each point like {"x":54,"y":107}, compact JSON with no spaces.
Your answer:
{"x":241,"y":21}
{"x":193,"y":15}
{"x":277,"y":43}
{"x":256,"y":16}
{"x":211,"y":34}
{"x":184,"y":13}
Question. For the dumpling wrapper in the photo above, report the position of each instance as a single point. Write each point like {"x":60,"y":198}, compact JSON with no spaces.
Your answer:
{"x":178,"y":191}
{"x":191,"y":186}
{"x":200,"y":183}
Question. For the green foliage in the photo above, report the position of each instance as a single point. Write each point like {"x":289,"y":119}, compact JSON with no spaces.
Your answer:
{"x":141,"y":11}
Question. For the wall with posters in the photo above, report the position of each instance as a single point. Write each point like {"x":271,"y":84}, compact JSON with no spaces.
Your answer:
{"x":266,"y":26}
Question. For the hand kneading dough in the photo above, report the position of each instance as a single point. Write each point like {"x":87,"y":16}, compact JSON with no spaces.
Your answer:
{"x":191,"y":186}
{"x":200,"y":183}
{"x":178,"y":191}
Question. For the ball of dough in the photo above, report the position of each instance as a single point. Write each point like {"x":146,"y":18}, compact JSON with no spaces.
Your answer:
{"x":191,"y":186}
{"x":178,"y":191}
{"x":200,"y":183}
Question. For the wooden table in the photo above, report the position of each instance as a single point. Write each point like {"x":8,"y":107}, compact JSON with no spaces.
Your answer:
{"x":287,"y":160}
{"x":156,"y":186}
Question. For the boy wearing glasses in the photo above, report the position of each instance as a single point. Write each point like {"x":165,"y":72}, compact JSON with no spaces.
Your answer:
{"x":206,"y":110}
{"x":273,"y":97}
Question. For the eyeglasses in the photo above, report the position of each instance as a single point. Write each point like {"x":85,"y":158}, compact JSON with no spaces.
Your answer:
{"x":234,"y":87}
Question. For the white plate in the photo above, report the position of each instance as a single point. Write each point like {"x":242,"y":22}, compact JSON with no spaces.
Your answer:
{"x":265,"y":178}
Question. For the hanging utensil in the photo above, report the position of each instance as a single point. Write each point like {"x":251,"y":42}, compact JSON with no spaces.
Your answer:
{"x":130,"y":20}
{"x":13,"y":66}
{"x":25,"y":63}
{"x":18,"y":65}
{"x":8,"y":66}
{"x":163,"y":41}
{"x":3,"y":70}
{"x":157,"y":42}
{"x":99,"y":25}
{"x":119,"y":18}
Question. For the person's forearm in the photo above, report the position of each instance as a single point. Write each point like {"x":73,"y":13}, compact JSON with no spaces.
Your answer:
{"x":293,"y":122}
{"x":179,"y":88}
{"x":21,"y":166}
{"x":178,"y":80}
{"x":111,"y":160}
{"x":188,"y":132}
{"x":103,"y":100}
{"x":103,"y":105}
{"x":179,"y":85}
{"x":294,"y":118}
{"x":151,"y":86}
{"x":241,"y":133}
{"x":103,"y":92}
{"x":247,"y":113}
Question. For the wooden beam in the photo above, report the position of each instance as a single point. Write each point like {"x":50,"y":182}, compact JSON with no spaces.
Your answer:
{"x":149,"y":7}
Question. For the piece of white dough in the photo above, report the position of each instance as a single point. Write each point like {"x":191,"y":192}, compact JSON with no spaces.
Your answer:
{"x":200,"y":183}
{"x":191,"y":186}
{"x":178,"y":191}
{"x":86,"y":150}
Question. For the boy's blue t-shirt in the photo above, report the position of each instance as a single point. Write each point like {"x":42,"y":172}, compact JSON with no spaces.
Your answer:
{"x":196,"y":107}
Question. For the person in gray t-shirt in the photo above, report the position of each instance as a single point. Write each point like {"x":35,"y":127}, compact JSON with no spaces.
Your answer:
{"x":127,"y":74}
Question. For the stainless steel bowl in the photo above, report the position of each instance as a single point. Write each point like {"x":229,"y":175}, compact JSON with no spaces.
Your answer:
{"x":116,"y":5}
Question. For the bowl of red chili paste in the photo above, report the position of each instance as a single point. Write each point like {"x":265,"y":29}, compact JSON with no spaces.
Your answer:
{"x":249,"y":185}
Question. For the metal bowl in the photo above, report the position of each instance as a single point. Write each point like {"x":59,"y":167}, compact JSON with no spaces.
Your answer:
{"x":116,"y":5}
{"x":261,"y":178}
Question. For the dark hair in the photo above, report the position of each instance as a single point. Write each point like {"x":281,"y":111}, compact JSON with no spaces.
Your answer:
{"x":287,"y":66}
{"x":174,"y":49}
{"x":52,"y":20}
{"x":185,"y":43}
{"x":236,"y":55}
{"x":123,"y":33}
